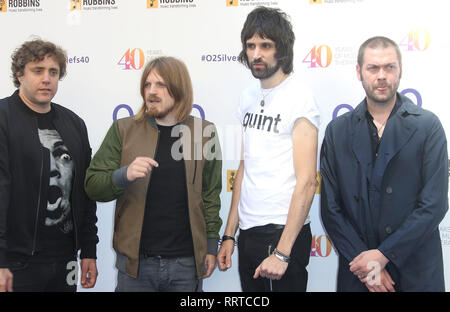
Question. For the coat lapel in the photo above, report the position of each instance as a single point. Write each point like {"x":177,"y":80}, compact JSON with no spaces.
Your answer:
{"x":399,"y":130}
{"x":361,"y":143}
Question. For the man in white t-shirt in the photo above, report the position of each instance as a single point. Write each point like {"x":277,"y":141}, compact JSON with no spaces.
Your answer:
{"x":276,"y":179}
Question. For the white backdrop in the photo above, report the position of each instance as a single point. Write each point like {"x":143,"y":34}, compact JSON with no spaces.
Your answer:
{"x":108,"y":42}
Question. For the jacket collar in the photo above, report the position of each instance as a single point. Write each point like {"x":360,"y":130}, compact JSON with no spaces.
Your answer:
{"x":20,"y":103}
{"x":399,"y":128}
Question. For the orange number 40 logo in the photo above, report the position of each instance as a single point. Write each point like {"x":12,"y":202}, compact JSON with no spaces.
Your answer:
{"x":416,"y":40}
{"x":321,"y":246}
{"x":319,"y":57}
{"x":132,"y":59}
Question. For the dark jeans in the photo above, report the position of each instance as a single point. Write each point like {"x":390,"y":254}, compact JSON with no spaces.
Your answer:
{"x":256,"y":244}
{"x":161,"y":274}
{"x":55,"y":276}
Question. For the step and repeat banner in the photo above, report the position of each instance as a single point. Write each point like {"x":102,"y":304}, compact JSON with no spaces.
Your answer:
{"x":109,"y":41}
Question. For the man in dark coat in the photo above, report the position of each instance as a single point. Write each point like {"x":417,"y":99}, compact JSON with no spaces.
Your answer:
{"x":385,"y":183}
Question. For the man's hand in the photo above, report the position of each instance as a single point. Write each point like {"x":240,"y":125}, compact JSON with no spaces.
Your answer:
{"x":210,"y":263}
{"x":379,"y":283}
{"x":88,"y":273}
{"x":224,"y":255}
{"x":367,"y":261}
{"x":6,"y":280}
{"x":140,"y":168}
{"x":271,"y":268}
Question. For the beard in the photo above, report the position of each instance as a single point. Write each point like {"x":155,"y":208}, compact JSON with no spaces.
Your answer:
{"x":264,"y":72}
{"x":383,"y":98}
{"x":159,"y":111}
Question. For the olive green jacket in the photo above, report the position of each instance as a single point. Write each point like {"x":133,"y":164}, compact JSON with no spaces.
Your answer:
{"x":127,"y":139}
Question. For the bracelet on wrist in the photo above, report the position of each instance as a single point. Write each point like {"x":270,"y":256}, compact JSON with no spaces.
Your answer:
{"x":281,"y":256}
{"x":226,"y":237}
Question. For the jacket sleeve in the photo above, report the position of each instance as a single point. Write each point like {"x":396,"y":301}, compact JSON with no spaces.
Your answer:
{"x":88,"y":228}
{"x":432,"y":201}
{"x":5,"y":188}
{"x":99,"y":183}
{"x":211,"y":188}
{"x":334,"y":216}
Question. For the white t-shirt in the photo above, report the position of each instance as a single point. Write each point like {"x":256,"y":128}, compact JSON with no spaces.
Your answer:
{"x":269,"y":176}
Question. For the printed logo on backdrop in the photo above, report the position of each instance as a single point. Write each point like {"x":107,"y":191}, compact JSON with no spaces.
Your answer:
{"x":319,"y":57}
{"x":20,"y":6}
{"x":323,"y":56}
{"x":152,"y":4}
{"x":91,"y":5}
{"x":219,"y":57}
{"x":445,"y":235}
{"x":2,"y":5}
{"x":257,"y":3}
{"x":75,"y":59}
{"x":232,"y":3}
{"x":335,"y":1}
{"x":171,"y":4}
{"x":135,"y":58}
{"x":416,"y":40}
{"x":321,"y":246}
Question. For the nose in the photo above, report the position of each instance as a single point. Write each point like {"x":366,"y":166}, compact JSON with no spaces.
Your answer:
{"x":381,"y":74}
{"x":54,"y":170}
{"x":152,"y":89}
{"x":46,"y":76}
{"x":256,"y":53}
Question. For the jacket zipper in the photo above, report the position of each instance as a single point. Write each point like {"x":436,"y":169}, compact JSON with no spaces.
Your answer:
{"x":72,"y":206}
{"x":39,"y":200}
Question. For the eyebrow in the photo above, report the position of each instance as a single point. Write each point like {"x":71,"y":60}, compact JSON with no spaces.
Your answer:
{"x":58,"y":144}
{"x":42,"y":67}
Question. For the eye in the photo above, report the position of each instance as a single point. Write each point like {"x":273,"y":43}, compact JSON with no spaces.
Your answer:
{"x":66,"y":157}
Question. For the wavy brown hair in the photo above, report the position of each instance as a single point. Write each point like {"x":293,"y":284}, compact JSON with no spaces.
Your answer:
{"x":35,"y":51}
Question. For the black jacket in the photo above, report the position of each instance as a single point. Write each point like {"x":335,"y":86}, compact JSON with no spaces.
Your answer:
{"x":21,"y":162}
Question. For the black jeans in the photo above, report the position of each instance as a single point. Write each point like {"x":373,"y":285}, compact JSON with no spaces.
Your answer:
{"x":54,"y":276}
{"x":256,"y":244}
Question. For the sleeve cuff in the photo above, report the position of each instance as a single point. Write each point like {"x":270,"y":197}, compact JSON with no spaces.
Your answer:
{"x":212,"y":246}
{"x":120,"y":177}
{"x":89,"y":252}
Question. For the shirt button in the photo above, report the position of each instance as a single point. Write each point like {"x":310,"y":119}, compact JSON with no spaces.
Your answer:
{"x":389,"y":190}
{"x":388,"y":229}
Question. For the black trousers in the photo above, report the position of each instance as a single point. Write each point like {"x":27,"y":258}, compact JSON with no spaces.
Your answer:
{"x":51,"y":276}
{"x":256,"y":244}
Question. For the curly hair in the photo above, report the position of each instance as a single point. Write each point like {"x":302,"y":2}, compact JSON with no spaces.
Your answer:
{"x":273,"y":24}
{"x":35,"y":51}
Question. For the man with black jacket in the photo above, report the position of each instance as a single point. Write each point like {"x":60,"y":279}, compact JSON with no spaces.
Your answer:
{"x":45,"y":215}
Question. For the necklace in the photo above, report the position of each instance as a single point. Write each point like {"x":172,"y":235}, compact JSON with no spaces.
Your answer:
{"x":380,"y":127}
{"x":263,"y":102}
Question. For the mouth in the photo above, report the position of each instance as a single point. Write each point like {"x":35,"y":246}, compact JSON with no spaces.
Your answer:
{"x":153,"y":101}
{"x":258,"y":65}
{"x":382,"y":88}
{"x":45,"y":90}
{"x":54,"y":198}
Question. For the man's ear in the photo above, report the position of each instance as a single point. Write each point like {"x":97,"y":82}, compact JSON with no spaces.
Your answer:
{"x":19,"y":76}
{"x":358,"y":72}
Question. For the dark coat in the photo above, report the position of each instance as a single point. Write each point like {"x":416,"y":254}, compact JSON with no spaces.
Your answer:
{"x":408,"y":188}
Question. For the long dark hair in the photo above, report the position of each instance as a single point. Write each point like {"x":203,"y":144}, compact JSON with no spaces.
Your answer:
{"x":273,"y":24}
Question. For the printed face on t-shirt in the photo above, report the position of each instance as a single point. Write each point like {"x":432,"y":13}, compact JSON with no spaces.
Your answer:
{"x":61,"y":173}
